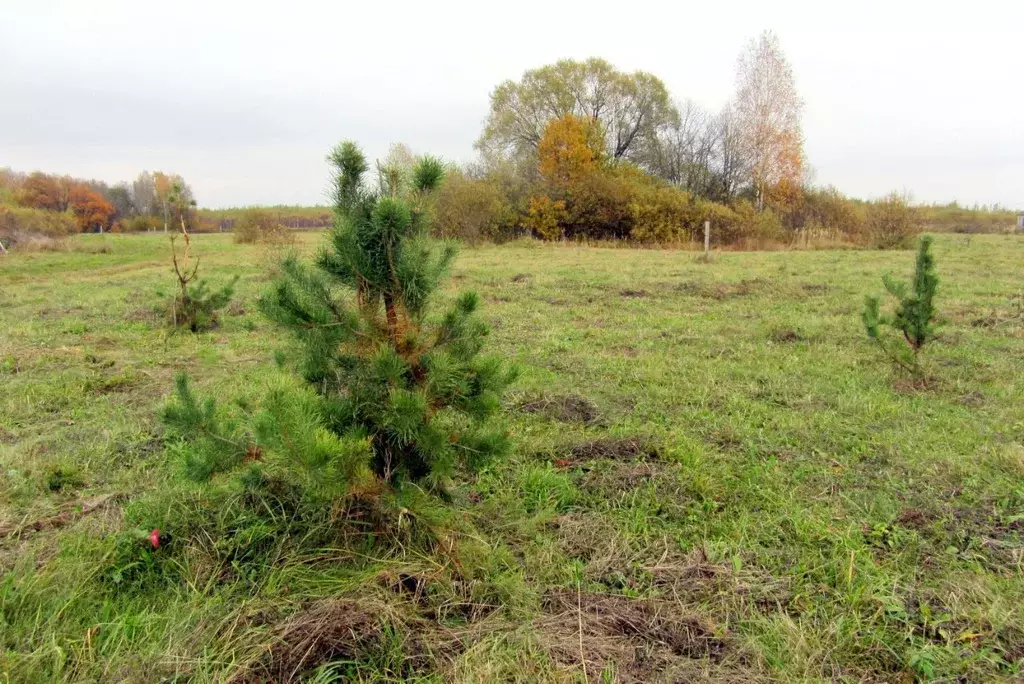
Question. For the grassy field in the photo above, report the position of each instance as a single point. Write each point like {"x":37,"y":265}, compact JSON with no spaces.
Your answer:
{"x":716,"y":478}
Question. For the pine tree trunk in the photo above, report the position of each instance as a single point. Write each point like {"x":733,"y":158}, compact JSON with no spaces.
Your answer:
{"x":392,"y":315}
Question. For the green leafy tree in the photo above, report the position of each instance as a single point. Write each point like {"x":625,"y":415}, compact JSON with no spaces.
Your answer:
{"x":630,"y":108}
{"x":914,"y":316}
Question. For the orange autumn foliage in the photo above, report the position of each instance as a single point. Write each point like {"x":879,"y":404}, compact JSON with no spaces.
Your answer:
{"x":41,"y":191}
{"x":92,"y":212}
{"x":571,"y":149}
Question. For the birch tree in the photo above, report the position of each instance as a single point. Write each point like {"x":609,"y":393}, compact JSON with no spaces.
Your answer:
{"x":767,"y":114}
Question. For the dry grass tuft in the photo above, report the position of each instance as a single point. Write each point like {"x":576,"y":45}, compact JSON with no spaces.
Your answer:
{"x":564,"y":408}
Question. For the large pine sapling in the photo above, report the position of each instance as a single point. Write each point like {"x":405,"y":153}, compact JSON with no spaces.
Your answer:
{"x":388,"y":396}
{"x":420,"y":391}
{"x":915,"y":315}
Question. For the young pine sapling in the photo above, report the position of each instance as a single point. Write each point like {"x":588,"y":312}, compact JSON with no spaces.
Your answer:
{"x":914,"y":317}
{"x":388,"y":397}
{"x":195,"y":306}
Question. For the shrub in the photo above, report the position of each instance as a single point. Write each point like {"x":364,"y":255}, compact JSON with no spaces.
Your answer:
{"x":470,"y":209}
{"x":27,"y":229}
{"x":662,"y":213}
{"x":892,"y":222}
{"x":261,"y":226}
{"x":831,"y":214}
{"x":141,"y":224}
{"x":725,"y":223}
{"x":914,"y":317}
{"x":545,"y":218}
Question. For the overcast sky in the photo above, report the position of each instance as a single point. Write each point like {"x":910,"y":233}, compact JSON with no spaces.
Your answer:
{"x":244,"y":98}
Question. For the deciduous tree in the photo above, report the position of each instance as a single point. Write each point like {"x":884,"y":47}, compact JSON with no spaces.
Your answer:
{"x":92,"y":212}
{"x":571,"y":148}
{"x":631,"y":108}
{"x":768,"y":111}
{"x":42,"y":191}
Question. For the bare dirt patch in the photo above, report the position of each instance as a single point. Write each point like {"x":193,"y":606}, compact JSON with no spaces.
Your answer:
{"x":6,"y":436}
{"x":915,"y":518}
{"x":632,"y":448}
{"x":564,"y":408}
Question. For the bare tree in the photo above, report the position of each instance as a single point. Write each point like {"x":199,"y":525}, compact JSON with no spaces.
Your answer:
{"x":767,"y":115}
{"x":732,"y":164}
{"x":701,"y":154}
{"x":394,"y":172}
{"x":143,"y":194}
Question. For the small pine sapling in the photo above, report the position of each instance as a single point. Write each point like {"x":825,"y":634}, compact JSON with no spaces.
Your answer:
{"x":195,"y":306}
{"x":915,"y":315}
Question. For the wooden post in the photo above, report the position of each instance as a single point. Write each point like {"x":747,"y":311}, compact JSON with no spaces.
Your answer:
{"x":707,"y":239}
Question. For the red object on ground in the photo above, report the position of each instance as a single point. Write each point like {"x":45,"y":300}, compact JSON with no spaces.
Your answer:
{"x":154,"y":538}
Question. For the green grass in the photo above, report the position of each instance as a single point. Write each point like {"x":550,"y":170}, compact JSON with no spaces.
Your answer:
{"x":805,"y":512}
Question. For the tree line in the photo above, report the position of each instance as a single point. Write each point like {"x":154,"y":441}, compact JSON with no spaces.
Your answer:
{"x":573,"y":150}
{"x":49,"y":204}
{"x":582,"y":150}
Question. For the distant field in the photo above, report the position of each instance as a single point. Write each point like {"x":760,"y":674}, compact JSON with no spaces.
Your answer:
{"x":716,"y":478}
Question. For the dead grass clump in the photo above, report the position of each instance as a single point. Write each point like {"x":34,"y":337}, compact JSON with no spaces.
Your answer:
{"x":815,"y":288}
{"x":353,"y":630}
{"x":261,"y":226}
{"x":726,"y":440}
{"x":70,"y":513}
{"x":35,"y":243}
{"x":143,"y":314}
{"x":616,"y":449}
{"x":613,"y":479}
{"x":786,"y":336}
{"x":910,"y":386}
{"x":749,"y":286}
{"x":722,"y":291}
{"x":440,"y":598}
{"x":973,"y":399}
{"x":643,"y":640}
{"x":341,"y":629}
{"x":564,"y":408}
